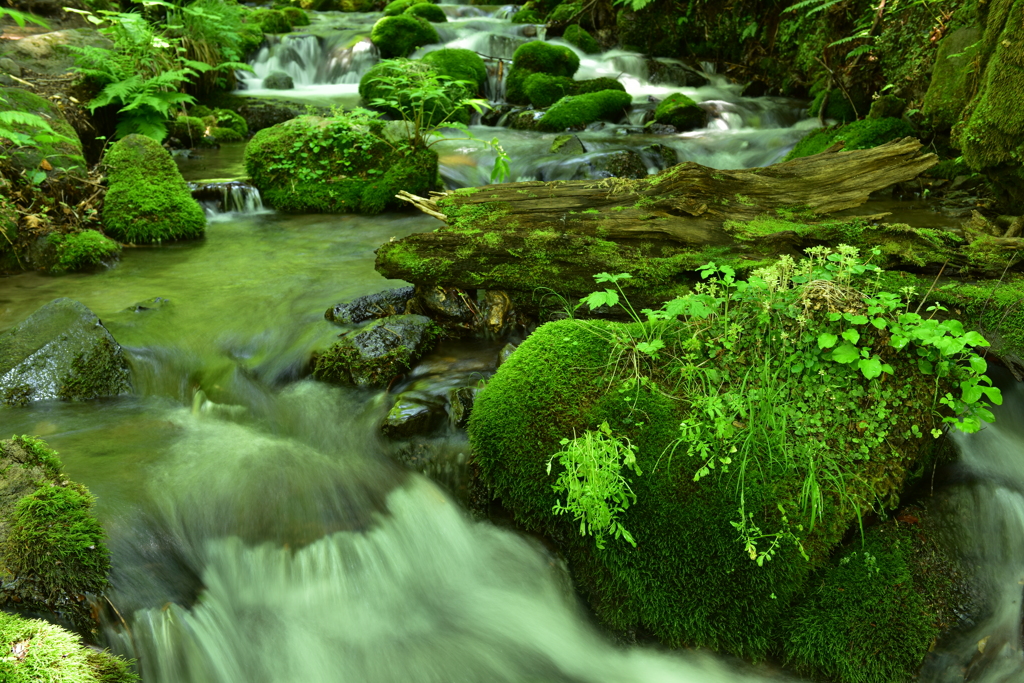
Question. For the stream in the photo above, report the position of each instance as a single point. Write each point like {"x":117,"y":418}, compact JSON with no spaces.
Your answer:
{"x":267,"y":537}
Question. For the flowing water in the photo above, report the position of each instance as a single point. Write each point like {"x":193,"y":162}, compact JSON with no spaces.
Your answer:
{"x":259,"y":531}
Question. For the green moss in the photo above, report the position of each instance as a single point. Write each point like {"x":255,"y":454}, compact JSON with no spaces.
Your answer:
{"x":949,"y":169}
{"x":680,"y":111}
{"x":148,"y":201}
{"x":653,"y":32}
{"x":271,"y":20}
{"x":62,"y":153}
{"x":428,"y":11}
{"x":413,"y":170}
{"x":815,"y":142}
{"x":398,"y":36}
{"x":837,"y":109}
{"x":82,"y":250}
{"x":991,"y":307}
{"x":538,"y":56}
{"x":955,"y":77}
{"x":543,"y":90}
{"x":579,"y":110}
{"x":597,"y":84}
{"x":47,"y":653}
{"x":577,"y":36}
{"x":222,"y":135}
{"x":396,"y":7}
{"x":564,"y":12}
{"x":857,"y":135}
{"x":872,"y":615}
{"x":458,"y":64}
{"x":295,"y":16}
{"x":527,"y":16}
{"x":378,"y":351}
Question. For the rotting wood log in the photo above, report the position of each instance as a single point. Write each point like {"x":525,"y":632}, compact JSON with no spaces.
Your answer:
{"x":557,"y":235}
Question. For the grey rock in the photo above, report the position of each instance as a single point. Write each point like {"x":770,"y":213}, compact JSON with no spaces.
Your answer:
{"x":445,"y":304}
{"x":62,"y":351}
{"x":659,"y":156}
{"x":460,"y":405}
{"x":413,"y":414}
{"x":50,"y":53}
{"x":379,"y":305}
{"x":661,"y":128}
{"x":505,"y":352}
{"x":378,"y":351}
{"x":9,"y":66}
{"x":278,"y":80}
{"x":567,"y":145}
{"x":620,"y":164}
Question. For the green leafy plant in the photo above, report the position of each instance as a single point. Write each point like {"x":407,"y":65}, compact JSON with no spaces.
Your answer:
{"x":593,"y":483}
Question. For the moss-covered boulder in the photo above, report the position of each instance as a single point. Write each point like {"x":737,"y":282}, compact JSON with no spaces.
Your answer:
{"x":271,"y":20}
{"x":953,"y":77}
{"x":578,"y":36}
{"x":527,"y":16}
{"x":398,"y":36}
{"x":680,"y":111}
{"x":598,"y":84}
{"x":396,"y":7}
{"x":61,"y":351}
{"x":83,"y":250}
{"x":543,"y":90}
{"x":396,"y":80}
{"x":148,"y":200}
{"x":578,"y":111}
{"x":278,"y":80}
{"x":537,"y":57}
{"x":296,"y":16}
{"x":37,"y":148}
{"x":861,"y":134}
{"x":428,"y":11}
{"x":460,"y":65}
{"x":41,"y":652}
{"x":378,"y":351}
{"x":348,"y":167}
{"x":52,"y":548}
{"x":728,"y":471}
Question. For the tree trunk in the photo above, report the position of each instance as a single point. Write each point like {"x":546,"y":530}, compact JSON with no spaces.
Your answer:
{"x":557,"y":235}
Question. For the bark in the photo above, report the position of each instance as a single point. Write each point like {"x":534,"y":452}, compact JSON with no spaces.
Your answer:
{"x":522,"y":236}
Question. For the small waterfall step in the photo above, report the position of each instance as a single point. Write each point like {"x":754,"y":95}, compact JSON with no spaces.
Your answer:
{"x":233,"y":196}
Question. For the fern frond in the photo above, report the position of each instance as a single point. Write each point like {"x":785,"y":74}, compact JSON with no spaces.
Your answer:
{"x":14,"y":118}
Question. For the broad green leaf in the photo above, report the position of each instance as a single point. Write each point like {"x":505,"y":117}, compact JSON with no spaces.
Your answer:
{"x":870,"y":367}
{"x":975,"y":339}
{"x":851,"y":335}
{"x":826,"y":340}
{"x":846,"y":353}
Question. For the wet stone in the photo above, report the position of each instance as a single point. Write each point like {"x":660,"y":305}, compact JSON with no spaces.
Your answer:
{"x":659,"y":156}
{"x":62,"y":351}
{"x":445,"y":304}
{"x":414,"y":413}
{"x":460,"y":405}
{"x":505,"y":352}
{"x":278,"y":80}
{"x":379,"y":305}
{"x":620,"y":164}
{"x":568,"y":145}
{"x":661,"y":129}
{"x":378,"y":351}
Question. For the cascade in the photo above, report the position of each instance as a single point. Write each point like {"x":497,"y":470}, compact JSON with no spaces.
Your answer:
{"x":227,"y":197}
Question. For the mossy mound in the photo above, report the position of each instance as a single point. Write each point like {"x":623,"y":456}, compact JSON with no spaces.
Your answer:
{"x":861,"y":134}
{"x":51,"y":545}
{"x":537,"y":57}
{"x":189,"y":130}
{"x":350,"y":167}
{"x":876,"y":610}
{"x":64,"y":153}
{"x":396,"y":7}
{"x":83,"y":250}
{"x":579,"y":37}
{"x":543,"y":90}
{"x":295,"y":16}
{"x":398,"y":36}
{"x":527,"y":16}
{"x":458,"y":64}
{"x":148,"y":200}
{"x":953,"y":77}
{"x":46,"y":653}
{"x":271,"y":20}
{"x":385,"y":80}
{"x":222,"y":135}
{"x":428,"y":11}
{"x":597,"y":84}
{"x":680,"y":111}
{"x":221,"y":118}
{"x":690,"y":580}
{"x":580,"y":110}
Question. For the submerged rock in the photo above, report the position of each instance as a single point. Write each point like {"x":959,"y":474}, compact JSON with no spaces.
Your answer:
{"x":460,"y":405}
{"x":379,"y":305}
{"x":414,"y":413}
{"x":278,"y":80}
{"x":62,"y":351}
{"x":568,"y":145}
{"x":377,"y":351}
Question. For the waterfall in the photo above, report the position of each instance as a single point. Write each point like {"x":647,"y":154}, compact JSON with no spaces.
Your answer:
{"x":227,"y":197}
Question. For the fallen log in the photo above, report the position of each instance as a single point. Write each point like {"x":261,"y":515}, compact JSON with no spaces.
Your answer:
{"x":557,"y":235}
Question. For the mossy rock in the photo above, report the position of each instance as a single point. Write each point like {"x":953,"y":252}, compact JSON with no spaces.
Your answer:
{"x":578,"y":111}
{"x":527,"y":16}
{"x":378,"y":351}
{"x":51,"y":545}
{"x":278,"y":80}
{"x":578,"y":36}
{"x":222,"y":135}
{"x":296,"y":16}
{"x":954,"y":77}
{"x":61,"y":351}
{"x":398,"y":36}
{"x":271,"y":20}
{"x":83,"y":250}
{"x":598,"y":84}
{"x":838,"y":107}
{"x":378,"y":83}
{"x":538,"y":56}
{"x":396,"y":7}
{"x":877,"y":609}
{"x":680,"y":111}
{"x":565,"y":12}
{"x":428,"y":11}
{"x":459,"y":64}
{"x":148,"y":200}
{"x":350,"y":169}
{"x":46,"y":652}
{"x":862,"y":134}
{"x":188,"y":129}
{"x":543,"y":90}
{"x":63,"y":154}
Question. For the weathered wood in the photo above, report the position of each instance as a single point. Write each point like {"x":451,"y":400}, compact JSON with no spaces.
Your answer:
{"x":522,"y":236}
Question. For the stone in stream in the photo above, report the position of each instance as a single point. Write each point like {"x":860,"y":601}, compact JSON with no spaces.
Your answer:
{"x":379,"y":305}
{"x":680,"y":111}
{"x":447,"y":305}
{"x":278,"y":80}
{"x":460,"y":405}
{"x":62,"y":351}
{"x":505,"y":352}
{"x":568,"y":145}
{"x":378,"y":351}
{"x":621,"y":164}
{"x":659,"y":156}
{"x":414,"y":413}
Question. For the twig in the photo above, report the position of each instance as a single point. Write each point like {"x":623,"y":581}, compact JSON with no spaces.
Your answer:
{"x":842,"y":87}
{"x":934,"y":282}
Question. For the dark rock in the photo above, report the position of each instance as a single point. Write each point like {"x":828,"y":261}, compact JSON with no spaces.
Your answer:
{"x":966,"y":183}
{"x":498,"y":311}
{"x":260,"y":115}
{"x":887,"y":106}
{"x":278,"y":80}
{"x":621,"y":164}
{"x":659,"y":156}
{"x":414,"y":413}
{"x":671,"y":72}
{"x":529,"y":31}
{"x":61,"y":351}
{"x":460,"y":405}
{"x":505,"y":352}
{"x":378,"y":351}
{"x":445,"y":304}
{"x":524,"y":120}
{"x":379,"y":305}
{"x":661,"y":128}
{"x":568,"y":145}
{"x":755,"y":89}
